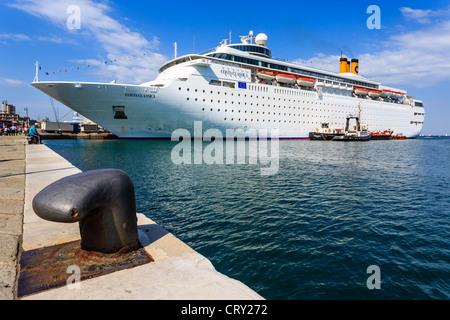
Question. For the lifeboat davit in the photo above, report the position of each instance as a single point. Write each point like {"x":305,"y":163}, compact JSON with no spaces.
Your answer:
{"x":361,"y":91}
{"x":285,"y":78}
{"x":305,"y":82}
{"x":374,"y":93}
{"x":266,"y":75}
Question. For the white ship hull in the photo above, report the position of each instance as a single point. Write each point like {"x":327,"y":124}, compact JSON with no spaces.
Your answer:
{"x":227,"y":95}
{"x":171,"y":109}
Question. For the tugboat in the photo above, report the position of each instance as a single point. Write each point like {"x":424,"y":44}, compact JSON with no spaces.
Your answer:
{"x":382,"y":135}
{"x":325,"y":133}
{"x":359,"y":132}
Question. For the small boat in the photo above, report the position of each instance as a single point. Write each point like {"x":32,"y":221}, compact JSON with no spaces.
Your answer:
{"x":374,"y":93}
{"x":361,"y":91}
{"x":386,"y":94}
{"x":359,"y":132}
{"x":398,"y":136}
{"x":285,"y":78}
{"x":397,"y":95}
{"x":325,"y":133}
{"x":265,"y":75}
{"x":381,"y":135}
{"x":305,"y":82}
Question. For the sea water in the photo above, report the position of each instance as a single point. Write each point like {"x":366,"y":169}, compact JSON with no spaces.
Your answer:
{"x":317,"y":229}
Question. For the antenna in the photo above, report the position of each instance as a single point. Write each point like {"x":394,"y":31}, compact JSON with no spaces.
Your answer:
{"x":230,"y":36}
{"x":175,"y":48}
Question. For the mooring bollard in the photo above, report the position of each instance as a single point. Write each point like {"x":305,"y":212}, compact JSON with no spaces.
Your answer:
{"x":102,"y":201}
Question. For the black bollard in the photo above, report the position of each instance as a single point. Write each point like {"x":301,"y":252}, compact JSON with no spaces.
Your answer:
{"x":102,"y":201}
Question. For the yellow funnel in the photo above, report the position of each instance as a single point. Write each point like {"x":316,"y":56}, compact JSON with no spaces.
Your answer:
{"x":355,"y":64}
{"x":344,"y":66}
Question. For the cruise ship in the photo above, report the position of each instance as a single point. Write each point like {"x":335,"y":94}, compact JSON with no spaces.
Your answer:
{"x":241,"y":86}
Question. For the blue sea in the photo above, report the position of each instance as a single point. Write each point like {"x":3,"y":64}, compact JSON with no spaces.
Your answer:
{"x":310,"y":231}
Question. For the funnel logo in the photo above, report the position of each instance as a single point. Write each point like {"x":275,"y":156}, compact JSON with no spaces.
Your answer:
{"x":374,"y":21}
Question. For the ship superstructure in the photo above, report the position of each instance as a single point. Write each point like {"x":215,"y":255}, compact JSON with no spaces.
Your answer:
{"x":240,"y":86}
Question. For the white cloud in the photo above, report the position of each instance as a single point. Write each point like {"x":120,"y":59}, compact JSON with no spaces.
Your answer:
{"x":51,"y":39}
{"x":12,"y":82}
{"x":321,"y":61}
{"x":423,"y":16}
{"x":417,"y":58}
{"x":115,"y":38}
{"x":14,"y":36}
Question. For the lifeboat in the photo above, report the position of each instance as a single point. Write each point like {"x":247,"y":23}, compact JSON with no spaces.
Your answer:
{"x":386,"y":94}
{"x":361,"y":91}
{"x":305,"y":82}
{"x":285,"y":78}
{"x":374,"y":93}
{"x":265,"y":75}
{"x":395,"y":95}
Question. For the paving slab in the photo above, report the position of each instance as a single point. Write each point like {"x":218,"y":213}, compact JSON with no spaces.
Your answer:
{"x":12,"y":192}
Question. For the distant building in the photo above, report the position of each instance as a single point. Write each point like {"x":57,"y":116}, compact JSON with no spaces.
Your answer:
{"x":8,"y":116}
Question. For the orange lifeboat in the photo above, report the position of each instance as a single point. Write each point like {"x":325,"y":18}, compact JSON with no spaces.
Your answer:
{"x":285,"y":78}
{"x":386,"y":94}
{"x":361,"y":91}
{"x":374,"y":93}
{"x":396,"y":95}
{"x":265,"y":75}
{"x":306,"y":82}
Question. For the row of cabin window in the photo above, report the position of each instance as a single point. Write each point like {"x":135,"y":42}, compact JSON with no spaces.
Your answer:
{"x":279,"y":99}
{"x":294,"y":121}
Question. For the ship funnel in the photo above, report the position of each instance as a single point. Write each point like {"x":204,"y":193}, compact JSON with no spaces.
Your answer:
{"x":355,"y":65}
{"x":345,"y":66}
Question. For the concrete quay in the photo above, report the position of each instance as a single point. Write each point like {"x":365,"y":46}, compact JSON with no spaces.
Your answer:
{"x":12,"y":194}
{"x":177,"y":273}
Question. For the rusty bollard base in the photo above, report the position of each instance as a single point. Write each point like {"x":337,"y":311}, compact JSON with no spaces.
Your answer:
{"x":50,"y":267}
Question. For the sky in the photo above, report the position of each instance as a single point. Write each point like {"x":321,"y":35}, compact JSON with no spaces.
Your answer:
{"x":410,"y":50}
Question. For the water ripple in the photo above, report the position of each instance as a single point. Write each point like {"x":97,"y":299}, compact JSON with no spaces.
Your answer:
{"x":311,"y":231}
